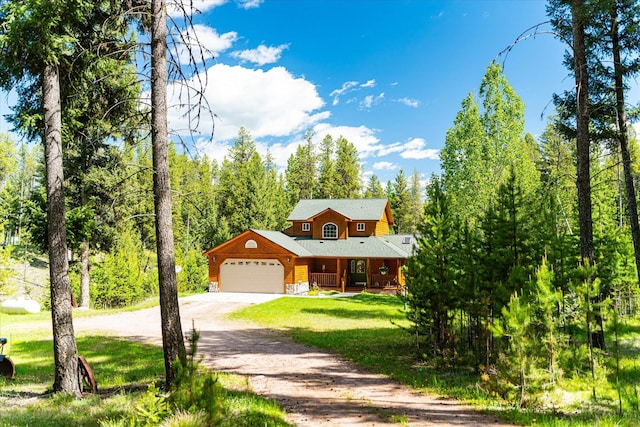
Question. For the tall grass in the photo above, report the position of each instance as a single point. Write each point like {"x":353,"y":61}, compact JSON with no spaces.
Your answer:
{"x":367,"y":330}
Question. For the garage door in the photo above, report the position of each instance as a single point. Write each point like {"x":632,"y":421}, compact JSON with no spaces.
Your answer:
{"x":252,"y":275}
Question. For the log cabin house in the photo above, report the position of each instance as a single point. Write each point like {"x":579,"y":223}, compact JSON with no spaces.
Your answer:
{"x":332,"y":244}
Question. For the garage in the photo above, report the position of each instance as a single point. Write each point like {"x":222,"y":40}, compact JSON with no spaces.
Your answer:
{"x":252,"y":275}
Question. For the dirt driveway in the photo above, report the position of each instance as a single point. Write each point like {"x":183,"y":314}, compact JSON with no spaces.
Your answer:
{"x":315,"y":387}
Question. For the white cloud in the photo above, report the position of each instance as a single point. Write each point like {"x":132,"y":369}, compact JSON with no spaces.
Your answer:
{"x":370,"y":100}
{"x":362,"y":137}
{"x":370,"y":83}
{"x":261,"y":55}
{"x":414,"y":149}
{"x":191,"y":7}
{"x":409,"y":102}
{"x":337,"y":93}
{"x":384,"y":166}
{"x":271,"y":103}
{"x":205,"y":43}
{"x":395,"y":147}
{"x":249,"y":4}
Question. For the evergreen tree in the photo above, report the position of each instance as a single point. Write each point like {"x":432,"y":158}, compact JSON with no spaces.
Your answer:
{"x":301,"y":174}
{"x":327,"y":173}
{"x":430,"y":272}
{"x":400,"y":202}
{"x":39,"y":38}
{"x":374,"y":189}
{"x":347,"y":171}
{"x":415,"y":208}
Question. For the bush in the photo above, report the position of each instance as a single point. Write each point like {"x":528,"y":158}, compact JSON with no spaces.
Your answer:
{"x":122,"y":278}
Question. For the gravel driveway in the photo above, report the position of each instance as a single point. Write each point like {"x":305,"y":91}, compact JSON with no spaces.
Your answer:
{"x":316,"y":388}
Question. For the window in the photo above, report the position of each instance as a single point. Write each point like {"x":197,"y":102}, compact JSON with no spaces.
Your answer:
{"x":360,"y":226}
{"x":330,"y":231}
{"x":251,"y":244}
{"x":306,"y":226}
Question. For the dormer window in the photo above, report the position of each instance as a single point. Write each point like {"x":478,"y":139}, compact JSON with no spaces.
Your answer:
{"x":306,"y":226}
{"x":360,"y":226}
{"x":329,"y":231}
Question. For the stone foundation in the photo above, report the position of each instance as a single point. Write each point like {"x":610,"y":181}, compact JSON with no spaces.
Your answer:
{"x":300,"y":288}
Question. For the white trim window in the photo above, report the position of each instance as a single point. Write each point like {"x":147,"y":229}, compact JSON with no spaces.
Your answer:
{"x":306,"y":226}
{"x":329,"y":231}
{"x":360,"y":226}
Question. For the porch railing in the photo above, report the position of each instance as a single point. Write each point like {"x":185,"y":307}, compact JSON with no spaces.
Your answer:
{"x":382,"y":281}
{"x":324,"y":279}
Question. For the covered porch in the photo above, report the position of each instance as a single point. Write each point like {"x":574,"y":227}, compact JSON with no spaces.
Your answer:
{"x":356,"y":274}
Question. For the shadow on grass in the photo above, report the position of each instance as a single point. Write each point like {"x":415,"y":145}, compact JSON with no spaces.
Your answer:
{"x":124,"y":371}
{"x":114,"y":361}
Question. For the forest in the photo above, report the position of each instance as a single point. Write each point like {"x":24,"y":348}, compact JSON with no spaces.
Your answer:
{"x":528,"y":249}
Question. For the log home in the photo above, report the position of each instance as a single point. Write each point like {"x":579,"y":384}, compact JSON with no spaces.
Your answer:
{"x":332,"y":244}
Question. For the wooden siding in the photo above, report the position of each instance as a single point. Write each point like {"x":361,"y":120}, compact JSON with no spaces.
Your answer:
{"x":326,"y":217}
{"x":301,"y":271}
{"x":236,"y":248}
{"x":296,"y":229}
{"x":382,"y":226}
{"x":369,"y":228}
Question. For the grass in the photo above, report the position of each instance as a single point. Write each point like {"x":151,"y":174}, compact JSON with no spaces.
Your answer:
{"x":366,"y":329}
{"x":124,"y":371}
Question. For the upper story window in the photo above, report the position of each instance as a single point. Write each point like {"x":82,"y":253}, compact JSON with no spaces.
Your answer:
{"x":360,"y":226}
{"x":306,"y":226}
{"x":251,"y":244}
{"x":329,"y":231}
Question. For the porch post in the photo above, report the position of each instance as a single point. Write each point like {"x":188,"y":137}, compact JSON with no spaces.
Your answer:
{"x":368,"y":270}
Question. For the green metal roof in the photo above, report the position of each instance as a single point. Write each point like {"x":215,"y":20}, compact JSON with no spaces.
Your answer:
{"x":354,"y":209}
{"x":354,"y":247}
{"x":389,"y":246}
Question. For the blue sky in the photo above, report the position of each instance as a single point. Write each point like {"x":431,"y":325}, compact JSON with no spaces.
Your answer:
{"x":388,"y":75}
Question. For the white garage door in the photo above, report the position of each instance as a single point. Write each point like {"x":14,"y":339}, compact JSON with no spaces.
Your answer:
{"x":252,"y":275}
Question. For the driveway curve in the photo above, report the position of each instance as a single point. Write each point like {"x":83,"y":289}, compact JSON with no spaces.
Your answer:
{"x":315,"y":387}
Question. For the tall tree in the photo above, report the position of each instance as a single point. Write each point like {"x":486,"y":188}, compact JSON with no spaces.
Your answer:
{"x":431,"y":274}
{"x":462,"y":163}
{"x":374,"y":188}
{"x":36,"y":38}
{"x":327,"y":178}
{"x":415,"y":199}
{"x":400,"y":203}
{"x":172,"y":338}
{"x":347,"y":170}
{"x":483,"y":145}
{"x":301,"y":172}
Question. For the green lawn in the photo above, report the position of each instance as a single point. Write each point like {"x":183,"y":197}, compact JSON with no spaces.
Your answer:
{"x":366,"y":329}
{"x":124,"y":371}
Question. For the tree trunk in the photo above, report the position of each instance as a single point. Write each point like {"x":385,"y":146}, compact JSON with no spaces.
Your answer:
{"x":84,"y":275}
{"x":172,"y":338}
{"x":64,"y":343}
{"x":583,"y":180}
{"x":623,"y":137}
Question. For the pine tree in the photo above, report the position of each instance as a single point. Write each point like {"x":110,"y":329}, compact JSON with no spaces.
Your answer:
{"x":347,"y":171}
{"x":432,"y":293}
{"x":301,"y":174}
{"x":374,"y":188}
{"x":400,"y":202}
{"x":327,"y":173}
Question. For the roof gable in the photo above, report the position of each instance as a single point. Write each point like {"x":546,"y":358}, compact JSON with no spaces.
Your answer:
{"x":353,"y":209}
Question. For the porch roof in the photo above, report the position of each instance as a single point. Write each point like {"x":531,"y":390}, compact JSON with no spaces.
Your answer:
{"x":354,"y":247}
